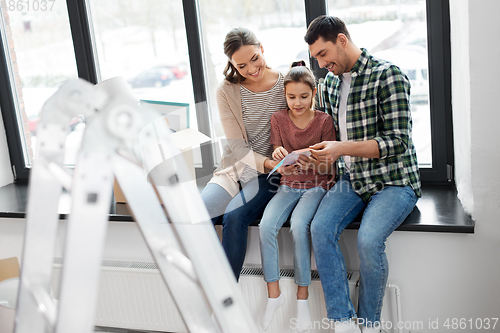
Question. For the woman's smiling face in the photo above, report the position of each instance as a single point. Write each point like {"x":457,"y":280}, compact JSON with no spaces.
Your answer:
{"x":250,"y":63}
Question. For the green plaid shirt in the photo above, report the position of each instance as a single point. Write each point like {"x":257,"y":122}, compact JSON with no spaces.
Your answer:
{"x":377,"y":108}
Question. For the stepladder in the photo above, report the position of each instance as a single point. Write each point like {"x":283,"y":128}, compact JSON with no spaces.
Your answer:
{"x":124,"y":141}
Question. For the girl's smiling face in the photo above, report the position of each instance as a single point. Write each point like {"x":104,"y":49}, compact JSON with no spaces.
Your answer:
{"x":249,"y":62}
{"x":299,"y":97}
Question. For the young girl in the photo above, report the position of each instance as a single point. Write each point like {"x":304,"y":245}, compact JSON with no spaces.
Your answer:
{"x":302,"y":187}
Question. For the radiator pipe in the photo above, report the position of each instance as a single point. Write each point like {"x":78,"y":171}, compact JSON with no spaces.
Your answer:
{"x":397,"y":292}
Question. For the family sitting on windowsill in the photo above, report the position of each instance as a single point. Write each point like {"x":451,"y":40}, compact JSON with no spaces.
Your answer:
{"x":365,"y":132}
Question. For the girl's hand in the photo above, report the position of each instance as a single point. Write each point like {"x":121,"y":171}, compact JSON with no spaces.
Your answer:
{"x":289,"y":170}
{"x":306,"y":162}
{"x":279,"y":153}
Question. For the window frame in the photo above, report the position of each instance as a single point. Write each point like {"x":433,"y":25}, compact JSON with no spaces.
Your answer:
{"x":439,"y":50}
{"x":200,"y":85}
{"x":9,"y":106}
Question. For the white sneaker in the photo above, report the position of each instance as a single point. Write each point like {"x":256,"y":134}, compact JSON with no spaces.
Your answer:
{"x":303,"y":316}
{"x":272,"y":305}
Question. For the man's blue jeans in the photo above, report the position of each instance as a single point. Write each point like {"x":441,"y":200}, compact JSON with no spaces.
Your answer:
{"x":385,"y":211}
{"x":238,"y":213}
{"x":303,"y":203}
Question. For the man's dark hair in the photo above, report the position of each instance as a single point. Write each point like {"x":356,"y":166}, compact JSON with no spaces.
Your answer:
{"x":327,"y":27}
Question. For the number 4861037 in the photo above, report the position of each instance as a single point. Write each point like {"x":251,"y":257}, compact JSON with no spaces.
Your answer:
{"x":31,"y":5}
{"x":470,"y":323}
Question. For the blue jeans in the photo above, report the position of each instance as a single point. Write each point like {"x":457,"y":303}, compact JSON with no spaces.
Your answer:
{"x":238,"y":213}
{"x":385,"y":211}
{"x":303,"y":203}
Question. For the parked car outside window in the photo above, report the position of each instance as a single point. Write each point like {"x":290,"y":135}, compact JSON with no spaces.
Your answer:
{"x":179,"y":70}
{"x":153,"y":77}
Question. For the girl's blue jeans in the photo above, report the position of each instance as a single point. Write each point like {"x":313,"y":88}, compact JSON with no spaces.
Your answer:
{"x":301,"y":204}
{"x":238,"y":213}
{"x":385,"y":211}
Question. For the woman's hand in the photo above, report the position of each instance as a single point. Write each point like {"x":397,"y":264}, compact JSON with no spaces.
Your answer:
{"x":279,"y":153}
{"x":270,"y":164}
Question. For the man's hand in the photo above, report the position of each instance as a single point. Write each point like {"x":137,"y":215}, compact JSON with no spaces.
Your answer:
{"x":330,"y":151}
{"x":327,"y":151}
{"x":279,"y":153}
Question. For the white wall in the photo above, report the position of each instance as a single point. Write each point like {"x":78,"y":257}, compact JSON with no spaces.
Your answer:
{"x":460,"y":58}
{"x":441,"y":276}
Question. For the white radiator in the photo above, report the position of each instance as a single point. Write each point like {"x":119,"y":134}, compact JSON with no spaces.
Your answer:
{"x":133,"y":296}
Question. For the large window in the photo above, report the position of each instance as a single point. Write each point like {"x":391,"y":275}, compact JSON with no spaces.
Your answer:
{"x":172,"y":51}
{"x":145,"y":43}
{"x":39,"y":56}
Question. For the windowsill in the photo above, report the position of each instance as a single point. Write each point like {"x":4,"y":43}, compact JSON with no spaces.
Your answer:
{"x":439,"y":210}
